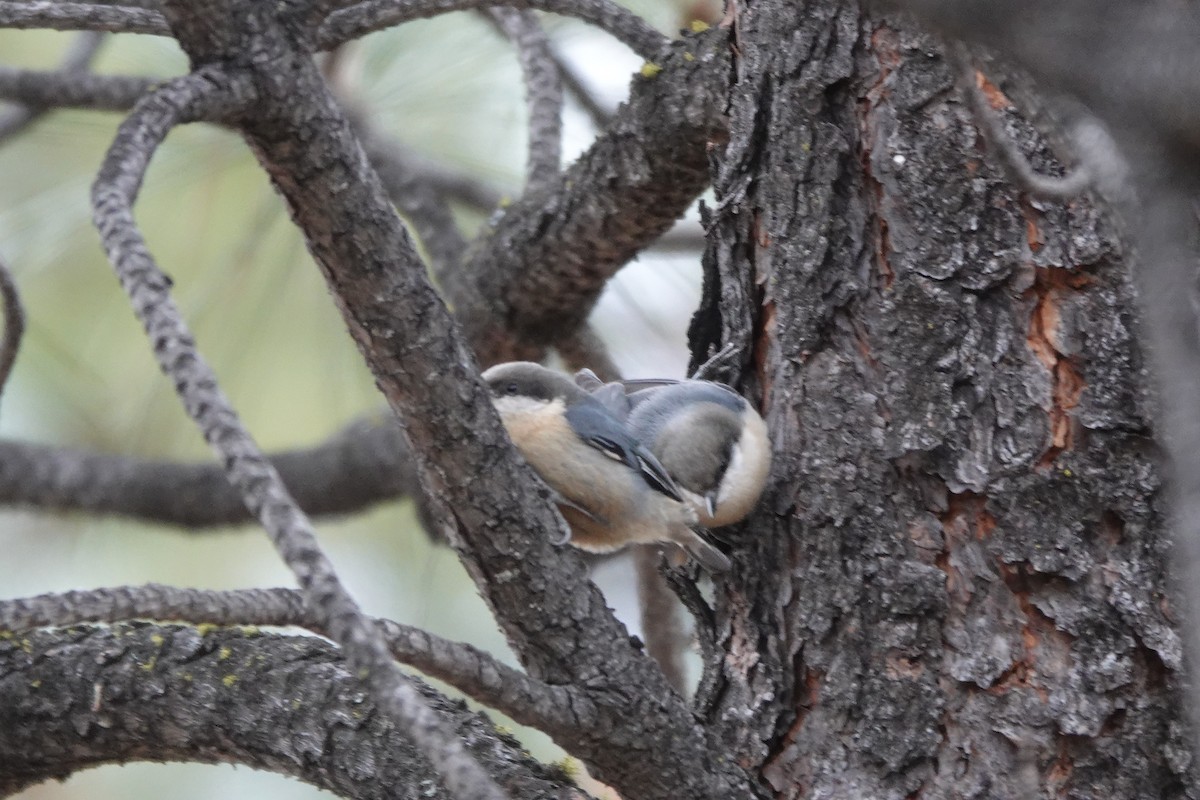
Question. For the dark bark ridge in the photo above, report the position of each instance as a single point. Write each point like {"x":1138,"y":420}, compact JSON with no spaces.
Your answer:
{"x":80,"y":697}
{"x":977,"y":555}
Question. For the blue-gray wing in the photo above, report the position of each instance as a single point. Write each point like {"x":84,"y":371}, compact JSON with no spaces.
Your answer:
{"x":593,"y":423}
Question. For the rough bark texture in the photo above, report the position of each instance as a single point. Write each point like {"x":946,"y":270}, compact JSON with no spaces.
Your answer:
{"x":965,"y":497}
{"x":71,"y":699}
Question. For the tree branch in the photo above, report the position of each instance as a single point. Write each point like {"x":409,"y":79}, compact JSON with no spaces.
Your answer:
{"x":80,"y":17}
{"x":543,"y":94}
{"x":76,"y":60}
{"x":367,"y":462}
{"x":373,"y":15}
{"x":72,"y":89}
{"x":113,"y":195}
{"x":574,"y":83}
{"x":477,"y":674}
{"x":14,"y":324}
{"x":662,"y":627}
{"x":82,"y":697}
{"x":543,"y":265}
{"x":416,"y":197}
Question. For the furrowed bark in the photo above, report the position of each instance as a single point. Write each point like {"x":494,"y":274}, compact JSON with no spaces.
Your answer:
{"x":964,"y":513}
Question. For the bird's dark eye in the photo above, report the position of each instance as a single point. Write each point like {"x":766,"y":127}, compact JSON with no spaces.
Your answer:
{"x":512,"y":388}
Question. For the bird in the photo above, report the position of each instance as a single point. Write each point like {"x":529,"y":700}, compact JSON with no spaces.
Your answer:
{"x":611,"y":490}
{"x":709,"y":439}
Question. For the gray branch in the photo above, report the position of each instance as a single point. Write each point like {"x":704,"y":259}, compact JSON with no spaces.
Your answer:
{"x":113,"y":195}
{"x":543,"y":94}
{"x":365,"y":463}
{"x":76,"y":60}
{"x":80,"y":17}
{"x":469,"y":669}
{"x":1017,"y":167}
{"x":504,"y":528}
{"x":541,"y":267}
{"x":574,"y":83}
{"x":14,"y":323}
{"x":82,"y":697}
{"x":373,"y":15}
{"x":72,"y":89}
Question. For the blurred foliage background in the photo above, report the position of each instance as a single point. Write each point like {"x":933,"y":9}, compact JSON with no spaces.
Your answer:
{"x":450,"y":89}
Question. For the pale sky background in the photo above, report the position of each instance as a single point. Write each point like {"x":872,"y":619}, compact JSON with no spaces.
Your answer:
{"x":451,"y":89}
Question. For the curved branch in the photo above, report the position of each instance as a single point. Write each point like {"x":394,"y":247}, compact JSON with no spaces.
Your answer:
{"x":14,"y":323}
{"x":373,"y":15}
{"x":542,"y":266}
{"x":543,"y":94}
{"x":472,"y":671}
{"x":1052,"y":40}
{"x":365,"y":463}
{"x":113,"y":195}
{"x":82,"y":697}
{"x":81,"y":17}
{"x":1016,"y":166}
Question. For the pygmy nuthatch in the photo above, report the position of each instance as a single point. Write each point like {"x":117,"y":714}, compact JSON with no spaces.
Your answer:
{"x":709,"y":439}
{"x":611,"y":490}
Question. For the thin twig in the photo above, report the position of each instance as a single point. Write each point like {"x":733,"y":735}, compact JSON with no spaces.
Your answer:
{"x":574,"y":83}
{"x":113,"y":195}
{"x":543,"y":94}
{"x":476,"y":673}
{"x":373,"y":15}
{"x":14,"y":323}
{"x":662,"y":624}
{"x":1018,"y":168}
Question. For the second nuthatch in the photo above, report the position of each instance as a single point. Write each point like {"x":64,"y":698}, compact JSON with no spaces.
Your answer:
{"x":611,"y":490}
{"x":709,"y":438}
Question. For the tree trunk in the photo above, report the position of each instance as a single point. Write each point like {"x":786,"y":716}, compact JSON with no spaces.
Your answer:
{"x":963,"y":591}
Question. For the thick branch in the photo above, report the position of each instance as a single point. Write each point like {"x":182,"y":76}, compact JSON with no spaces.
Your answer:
{"x":82,"y":697}
{"x":374,"y":15}
{"x":417,"y":198}
{"x":474,"y":672}
{"x":545,"y":262}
